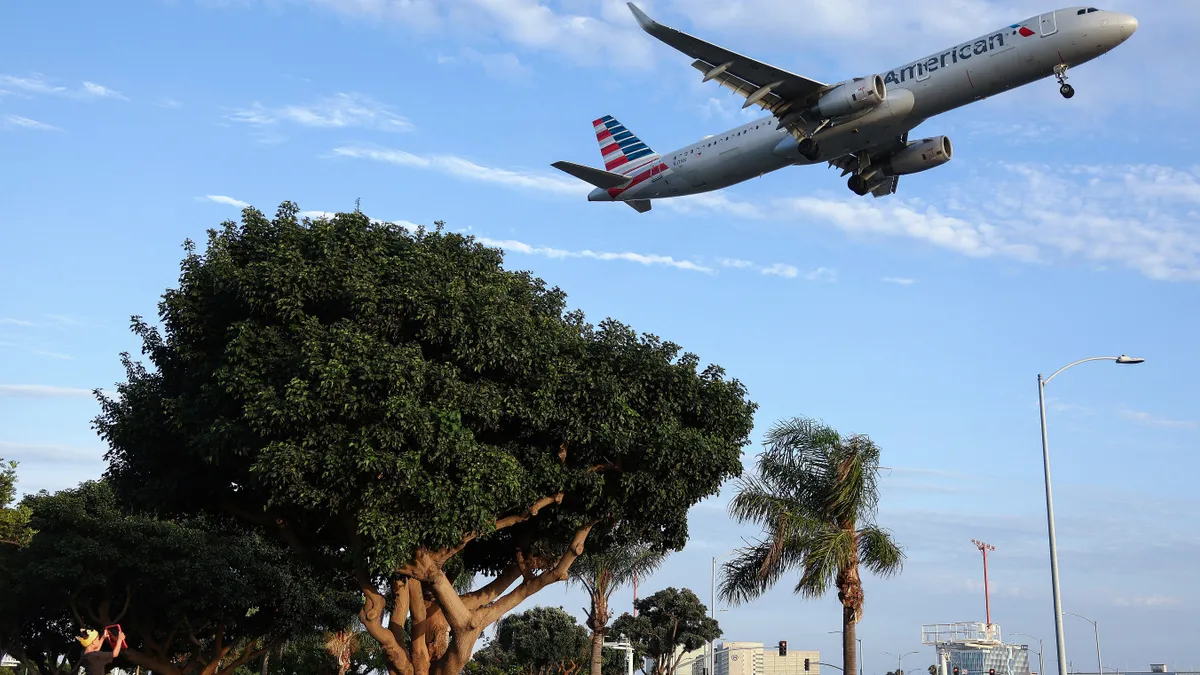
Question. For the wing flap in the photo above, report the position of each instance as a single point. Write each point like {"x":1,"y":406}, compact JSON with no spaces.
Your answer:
{"x":790,"y":86}
{"x":769,"y":101}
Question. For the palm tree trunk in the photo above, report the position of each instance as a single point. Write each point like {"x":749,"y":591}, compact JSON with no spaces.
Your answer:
{"x":849,"y":660}
{"x":597,"y":651}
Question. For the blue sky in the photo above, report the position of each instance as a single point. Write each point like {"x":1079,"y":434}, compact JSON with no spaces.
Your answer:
{"x":1060,"y":230}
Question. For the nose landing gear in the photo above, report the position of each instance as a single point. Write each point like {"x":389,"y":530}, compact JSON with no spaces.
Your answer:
{"x":1060,"y":74}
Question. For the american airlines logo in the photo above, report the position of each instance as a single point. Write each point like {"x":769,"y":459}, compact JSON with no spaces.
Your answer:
{"x":961,"y":53}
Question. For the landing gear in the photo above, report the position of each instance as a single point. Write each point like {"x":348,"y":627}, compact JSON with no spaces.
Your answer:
{"x":858,"y":185}
{"x":1060,"y":74}
{"x":809,"y":149}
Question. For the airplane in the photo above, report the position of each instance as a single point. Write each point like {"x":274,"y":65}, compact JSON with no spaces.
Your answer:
{"x":859,"y":125}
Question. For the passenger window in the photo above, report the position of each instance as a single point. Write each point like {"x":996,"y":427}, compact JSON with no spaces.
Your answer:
{"x":1080,"y":12}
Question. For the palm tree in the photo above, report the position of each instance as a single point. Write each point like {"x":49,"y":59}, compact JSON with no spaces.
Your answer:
{"x":602,"y":573}
{"x":815,"y":496}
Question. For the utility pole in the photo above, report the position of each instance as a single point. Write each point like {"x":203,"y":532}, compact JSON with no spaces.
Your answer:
{"x":984,"y":548}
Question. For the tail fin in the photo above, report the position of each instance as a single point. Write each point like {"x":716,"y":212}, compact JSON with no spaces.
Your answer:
{"x":622,"y":151}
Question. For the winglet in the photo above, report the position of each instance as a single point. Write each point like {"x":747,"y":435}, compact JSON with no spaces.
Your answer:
{"x":644,"y":21}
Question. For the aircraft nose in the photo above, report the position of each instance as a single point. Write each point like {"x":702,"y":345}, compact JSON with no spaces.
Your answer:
{"x":1128,"y":24}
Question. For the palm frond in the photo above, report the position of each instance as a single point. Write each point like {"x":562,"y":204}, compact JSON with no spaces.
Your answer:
{"x":754,"y":569}
{"x":878,"y":552}
{"x":826,"y":553}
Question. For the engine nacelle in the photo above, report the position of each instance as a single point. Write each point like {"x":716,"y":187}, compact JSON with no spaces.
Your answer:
{"x":923,"y":155}
{"x":850,"y":97}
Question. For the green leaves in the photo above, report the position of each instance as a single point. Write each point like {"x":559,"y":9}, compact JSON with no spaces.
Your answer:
{"x":382,"y":391}
{"x":14,"y":520}
{"x":668,"y":619}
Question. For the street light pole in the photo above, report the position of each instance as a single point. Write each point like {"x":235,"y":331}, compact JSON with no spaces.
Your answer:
{"x":899,"y":658}
{"x":712,"y":658}
{"x":1096,"y":627}
{"x":1041,"y":661}
{"x":1058,"y":620}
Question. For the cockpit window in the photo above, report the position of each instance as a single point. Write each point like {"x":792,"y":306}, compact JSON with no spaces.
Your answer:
{"x":1089,"y":10}
{"x":1092,"y":9}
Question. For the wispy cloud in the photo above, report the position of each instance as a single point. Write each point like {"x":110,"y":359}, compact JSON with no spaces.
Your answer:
{"x":782,"y":270}
{"x":53,"y":355}
{"x":1148,"y":601}
{"x":8,"y":321}
{"x":466,"y":169}
{"x":228,"y":201}
{"x":1147,"y":418}
{"x":37,"y":85}
{"x":900,"y":281}
{"x":1138,"y":216}
{"x":47,"y":453}
{"x":344,"y":110}
{"x":503,"y":66}
{"x":514,"y":246}
{"x":41,"y":391}
{"x":11,"y":121}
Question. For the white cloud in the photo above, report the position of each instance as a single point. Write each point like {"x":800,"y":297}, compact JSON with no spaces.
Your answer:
{"x":1148,"y":601}
{"x":47,"y":453}
{"x":40,"y":391}
{"x":11,"y":121}
{"x":781,"y":270}
{"x":1147,"y":418}
{"x":37,"y":85}
{"x":1137,"y":216}
{"x":228,"y":201}
{"x":466,"y":169}
{"x":8,"y":321}
{"x":336,"y":112}
{"x":901,"y":281}
{"x":513,"y":246}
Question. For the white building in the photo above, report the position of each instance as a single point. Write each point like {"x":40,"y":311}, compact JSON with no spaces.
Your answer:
{"x":691,"y":663}
{"x":792,"y":664}
{"x":739,"y":658}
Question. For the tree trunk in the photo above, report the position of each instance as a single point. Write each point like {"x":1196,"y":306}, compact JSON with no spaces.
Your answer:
{"x":597,"y":651}
{"x":266,"y":662}
{"x":849,"y":656}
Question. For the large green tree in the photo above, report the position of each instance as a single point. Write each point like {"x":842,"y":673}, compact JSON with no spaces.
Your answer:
{"x":192,"y":599}
{"x":400,"y":404}
{"x":538,"y":641}
{"x":815,"y":494}
{"x":669,"y":623}
{"x":603,"y":572}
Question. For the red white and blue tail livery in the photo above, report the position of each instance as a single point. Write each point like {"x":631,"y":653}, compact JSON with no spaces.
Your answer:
{"x":860,"y":125}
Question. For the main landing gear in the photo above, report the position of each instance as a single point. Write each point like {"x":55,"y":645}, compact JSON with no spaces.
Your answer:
{"x":1060,"y":74}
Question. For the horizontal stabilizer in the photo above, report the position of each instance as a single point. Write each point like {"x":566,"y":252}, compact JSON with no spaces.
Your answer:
{"x":598,"y":177}
{"x":639,"y":205}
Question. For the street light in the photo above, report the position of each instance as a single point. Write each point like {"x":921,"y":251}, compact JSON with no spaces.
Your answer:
{"x":1096,"y":627}
{"x":712,"y":659}
{"x":899,"y":658}
{"x":1058,"y":620}
{"x":860,"y":663}
{"x":1041,"y":661}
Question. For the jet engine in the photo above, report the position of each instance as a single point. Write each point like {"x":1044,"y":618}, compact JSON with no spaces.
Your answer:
{"x":920,"y":156}
{"x":850,"y":97}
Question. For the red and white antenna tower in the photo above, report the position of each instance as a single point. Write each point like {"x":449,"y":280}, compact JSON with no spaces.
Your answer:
{"x":984,"y":548}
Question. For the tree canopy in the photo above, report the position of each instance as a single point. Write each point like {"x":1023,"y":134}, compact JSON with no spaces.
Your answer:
{"x":399,"y":404}
{"x":14,"y":519}
{"x":192,"y":598}
{"x":665,"y":621}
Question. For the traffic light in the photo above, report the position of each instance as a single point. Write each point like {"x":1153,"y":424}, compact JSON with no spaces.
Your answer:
{"x":783,"y":647}
{"x":955,"y":670}
{"x":805,"y":664}
{"x":991,"y":671}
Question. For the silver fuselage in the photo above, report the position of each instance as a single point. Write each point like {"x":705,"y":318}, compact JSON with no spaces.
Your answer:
{"x":970,"y":71}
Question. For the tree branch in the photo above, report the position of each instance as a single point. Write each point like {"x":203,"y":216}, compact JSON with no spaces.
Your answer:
{"x":150,"y":663}
{"x":531,"y":585}
{"x":508,"y":521}
{"x":476,"y":599}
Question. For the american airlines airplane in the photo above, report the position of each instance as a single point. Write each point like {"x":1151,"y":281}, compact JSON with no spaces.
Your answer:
{"x":859,"y":125}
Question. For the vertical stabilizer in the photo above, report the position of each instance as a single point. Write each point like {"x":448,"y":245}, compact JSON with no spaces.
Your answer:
{"x":623,"y":152}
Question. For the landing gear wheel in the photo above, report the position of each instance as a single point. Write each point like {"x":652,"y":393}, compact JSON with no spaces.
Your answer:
{"x":1060,"y":74}
{"x":858,"y":185}
{"x":809,"y":149}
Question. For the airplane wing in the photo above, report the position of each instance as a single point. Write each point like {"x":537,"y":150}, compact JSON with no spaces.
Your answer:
{"x":762,"y":84}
